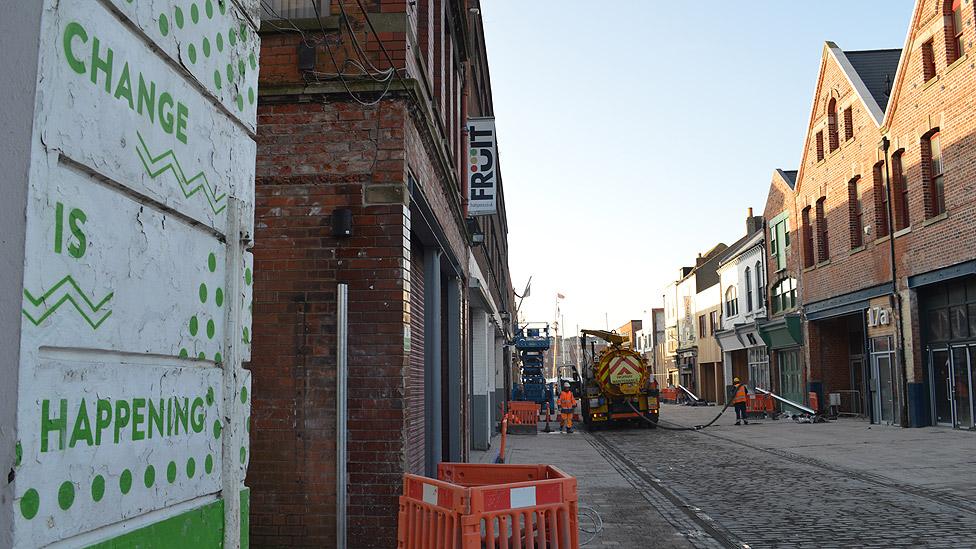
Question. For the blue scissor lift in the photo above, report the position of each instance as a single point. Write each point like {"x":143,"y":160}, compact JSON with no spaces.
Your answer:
{"x":532,"y":341}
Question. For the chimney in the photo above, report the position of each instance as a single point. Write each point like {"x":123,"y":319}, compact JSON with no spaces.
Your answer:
{"x":753,"y":222}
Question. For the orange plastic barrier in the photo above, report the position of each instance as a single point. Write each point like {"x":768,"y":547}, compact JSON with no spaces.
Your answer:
{"x":669,"y":394}
{"x":814,"y":401}
{"x":523,"y":413}
{"x":759,"y":404}
{"x":475,"y":506}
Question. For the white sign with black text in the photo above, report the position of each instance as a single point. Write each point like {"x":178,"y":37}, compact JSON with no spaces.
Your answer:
{"x":482,"y":166}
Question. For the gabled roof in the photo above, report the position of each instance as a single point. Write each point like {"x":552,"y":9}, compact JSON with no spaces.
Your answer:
{"x":903,"y":63}
{"x":874,"y":66}
{"x":789,"y":176}
{"x":877,"y":70}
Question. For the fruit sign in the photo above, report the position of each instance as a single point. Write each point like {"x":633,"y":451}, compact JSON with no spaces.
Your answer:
{"x":133,"y":409}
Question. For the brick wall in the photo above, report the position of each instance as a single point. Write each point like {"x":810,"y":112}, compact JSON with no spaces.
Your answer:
{"x":319,"y":150}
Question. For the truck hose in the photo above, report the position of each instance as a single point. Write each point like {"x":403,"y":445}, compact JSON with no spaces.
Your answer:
{"x":695,"y":428}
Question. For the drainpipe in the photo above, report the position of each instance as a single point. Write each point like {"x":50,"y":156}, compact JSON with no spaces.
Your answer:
{"x":895,"y":297}
{"x":342,"y":375}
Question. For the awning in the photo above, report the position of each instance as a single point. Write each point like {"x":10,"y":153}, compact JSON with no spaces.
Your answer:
{"x":741,"y":336}
{"x":782,"y":332}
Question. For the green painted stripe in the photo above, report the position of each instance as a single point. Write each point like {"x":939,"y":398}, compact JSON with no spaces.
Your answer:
{"x":196,"y":528}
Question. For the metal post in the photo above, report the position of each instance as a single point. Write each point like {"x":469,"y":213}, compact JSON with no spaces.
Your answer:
{"x":232,"y":472}
{"x":342,"y":376}
{"x":432,"y":360}
{"x":454,"y":404}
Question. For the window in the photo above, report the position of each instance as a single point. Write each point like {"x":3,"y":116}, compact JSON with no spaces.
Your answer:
{"x":848,"y":123}
{"x":758,"y":367}
{"x":807,"y":238}
{"x":899,"y":187}
{"x":701,"y":326}
{"x":880,"y":191}
{"x":832,"y":124}
{"x":932,"y":175}
{"x":748,"y":289}
{"x":820,"y":146}
{"x":928,"y":61}
{"x":731,"y":302}
{"x":823,"y":241}
{"x":955,"y":46}
{"x":760,"y":287}
{"x":290,"y":9}
{"x":784,"y":295}
{"x":713,"y":322}
{"x":779,"y":241}
{"x":856,"y":213}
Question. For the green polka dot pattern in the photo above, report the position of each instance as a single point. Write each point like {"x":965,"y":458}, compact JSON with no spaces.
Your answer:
{"x":30,"y":502}
{"x":66,"y":495}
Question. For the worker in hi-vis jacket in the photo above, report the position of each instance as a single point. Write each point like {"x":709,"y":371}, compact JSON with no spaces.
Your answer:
{"x":566,"y":404}
{"x":740,"y":394}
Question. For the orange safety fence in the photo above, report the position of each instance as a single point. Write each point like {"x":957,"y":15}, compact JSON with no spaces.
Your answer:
{"x":523,"y":413}
{"x":670,"y":394}
{"x":477,"y":506}
{"x":759,"y":404}
{"x":814,"y":401}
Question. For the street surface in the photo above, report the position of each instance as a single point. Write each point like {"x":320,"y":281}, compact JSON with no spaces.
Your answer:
{"x":769,"y":484}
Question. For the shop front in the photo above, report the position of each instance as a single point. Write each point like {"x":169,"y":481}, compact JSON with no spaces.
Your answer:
{"x":852,"y":350}
{"x":687,"y":359}
{"x":783,"y":337}
{"x":745,"y":356}
{"x":947,"y":316}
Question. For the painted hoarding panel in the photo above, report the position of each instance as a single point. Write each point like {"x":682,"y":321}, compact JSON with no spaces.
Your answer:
{"x":132,"y":116}
{"x":482,"y":166}
{"x":123,"y":417}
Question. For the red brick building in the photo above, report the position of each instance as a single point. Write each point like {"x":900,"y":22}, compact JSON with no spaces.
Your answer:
{"x":884,"y":225}
{"x":362,"y":125}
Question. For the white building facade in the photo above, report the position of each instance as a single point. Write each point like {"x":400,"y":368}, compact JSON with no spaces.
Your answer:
{"x":743,"y":288}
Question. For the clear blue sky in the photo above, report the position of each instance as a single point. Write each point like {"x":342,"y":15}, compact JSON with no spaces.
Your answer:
{"x":635,"y":134}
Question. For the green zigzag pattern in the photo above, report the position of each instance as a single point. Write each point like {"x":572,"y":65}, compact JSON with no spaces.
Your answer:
{"x":71,"y":293}
{"x":150,"y":162}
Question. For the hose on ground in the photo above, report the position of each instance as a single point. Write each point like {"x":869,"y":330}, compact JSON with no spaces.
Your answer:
{"x":590,"y":523}
{"x":695,"y":428}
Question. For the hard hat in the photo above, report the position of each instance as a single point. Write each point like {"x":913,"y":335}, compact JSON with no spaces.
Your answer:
{"x":566,"y":385}
{"x":735,"y":380}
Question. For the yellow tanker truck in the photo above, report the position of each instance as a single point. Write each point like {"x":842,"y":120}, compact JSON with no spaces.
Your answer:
{"x":617,"y":384}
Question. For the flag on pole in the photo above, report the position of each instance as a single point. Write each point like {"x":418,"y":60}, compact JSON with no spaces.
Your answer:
{"x":560,"y":296}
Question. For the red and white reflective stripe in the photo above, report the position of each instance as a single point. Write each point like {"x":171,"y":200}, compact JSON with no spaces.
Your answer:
{"x":518,"y":498}
{"x":621,"y":363}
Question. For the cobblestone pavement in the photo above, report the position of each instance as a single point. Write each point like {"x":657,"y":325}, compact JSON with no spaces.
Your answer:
{"x":773,"y":485}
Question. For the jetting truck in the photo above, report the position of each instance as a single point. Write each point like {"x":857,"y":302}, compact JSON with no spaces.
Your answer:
{"x":618,"y":385}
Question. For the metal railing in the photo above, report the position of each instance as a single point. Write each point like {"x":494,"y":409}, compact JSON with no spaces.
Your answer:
{"x":850,"y":403}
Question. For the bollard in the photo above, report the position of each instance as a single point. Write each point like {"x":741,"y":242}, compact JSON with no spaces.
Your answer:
{"x":501,"y":451}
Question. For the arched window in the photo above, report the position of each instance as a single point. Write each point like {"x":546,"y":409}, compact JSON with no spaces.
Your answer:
{"x":856,"y":212}
{"x":955,"y":45}
{"x":932,"y":178}
{"x":760,"y":287}
{"x":784,"y":295}
{"x":748,"y":289}
{"x":832,"y":135}
{"x":731,"y":302}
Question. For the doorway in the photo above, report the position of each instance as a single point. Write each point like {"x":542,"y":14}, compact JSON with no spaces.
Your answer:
{"x":791,"y":377}
{"x":882,"y":381}
{"x":951,"y":372}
